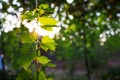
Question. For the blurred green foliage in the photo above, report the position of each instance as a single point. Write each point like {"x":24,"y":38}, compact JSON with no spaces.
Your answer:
{"x":96,"y":19}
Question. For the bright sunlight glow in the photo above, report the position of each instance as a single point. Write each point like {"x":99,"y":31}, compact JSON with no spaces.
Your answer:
{"x":69,"y":1}
{"x":34,"y":26}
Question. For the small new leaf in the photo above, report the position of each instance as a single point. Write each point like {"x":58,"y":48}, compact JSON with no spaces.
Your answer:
{"x":43,"y":6}
{"x":41,"y":12}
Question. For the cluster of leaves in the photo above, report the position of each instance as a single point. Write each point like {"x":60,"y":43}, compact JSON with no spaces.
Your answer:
{"x":93,"y":16}
{"x":37,"y":58}
{"x":41,"y":13}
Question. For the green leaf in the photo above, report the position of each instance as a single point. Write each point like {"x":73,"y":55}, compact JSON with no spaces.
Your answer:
{"x":47,"y":21}
{"x":43,"y":60}
{"x":49,"y":10}
{"x":27,"y":15}
{"x":23,"y":60}
{"x":51,"y":65}
{"x":34,"y":35}
{"x":24,"y":57}
{"x":41,"y":12}
{"x":46,"y":8}
{"x":44,"y":47}
{"x":47,"y":28}
{"x":24,"y":74}
{"x":46,"y":40}
{"x":42,"y":76}
{"x":43,"y":6}
{"x":26,"y":38}
{"x":48,"y":43}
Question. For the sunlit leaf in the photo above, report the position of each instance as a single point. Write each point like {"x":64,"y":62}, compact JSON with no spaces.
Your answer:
{"x":46,"y":39}
{"x":43,"y":60}
{"x":44,"y":47}
{"x":47,"y":28}
{"x":48,"y":43}
{"x":27,"y":15}
{"x":43,"y":6}
{"x":41,"y":12}
{"x":46,"y":8}
{"x":47,"y":21}
{"x":42,"y":76}
{"x":34,"y":35}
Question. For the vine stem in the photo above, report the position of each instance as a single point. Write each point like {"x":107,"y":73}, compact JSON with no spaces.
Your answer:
{"x":37,"y":49}
{"x":37,"y":64}
{"x":36,"y":4}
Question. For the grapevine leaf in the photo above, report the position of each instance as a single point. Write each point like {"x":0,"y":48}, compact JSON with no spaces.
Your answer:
{"x":24,"y":57}
{"x":46,"y":8}
{"x":48,"y":43}
{"x":43,"y":6}
{"x":27,"y":15}
{"x":44,"y":47}
{"x":47,"y":21}
{"x":49,"y":10}
{"x":34,"y":35}
{"x":47,"y":28}
{"x":24,"y":74}
{"x":41,"y":12}
{"x":43,"y":60}
{"x":42,"y":76}
{"x":26,"y":38}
